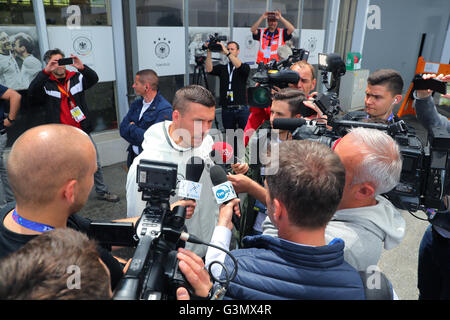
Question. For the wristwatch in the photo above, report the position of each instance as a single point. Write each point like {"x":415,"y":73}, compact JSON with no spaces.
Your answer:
{"x":228,"y":54}
{"x":10,"y":120}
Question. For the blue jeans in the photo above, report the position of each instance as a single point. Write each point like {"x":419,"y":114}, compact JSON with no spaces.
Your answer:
{"x":434,"y":266}
{"x":235,"y":117}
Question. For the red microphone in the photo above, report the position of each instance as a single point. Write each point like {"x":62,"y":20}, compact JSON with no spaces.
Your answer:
{"x":221,"y":153}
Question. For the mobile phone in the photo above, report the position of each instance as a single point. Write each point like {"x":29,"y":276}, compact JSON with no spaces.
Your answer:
{"x":431,"y":84}
{"x":65,"y":61}
{"x":271,"y":15}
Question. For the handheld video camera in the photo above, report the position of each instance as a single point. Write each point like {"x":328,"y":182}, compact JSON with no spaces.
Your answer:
{"x":274,"y":74}
{"x":213,"y":46}
{"x":153,"y":273}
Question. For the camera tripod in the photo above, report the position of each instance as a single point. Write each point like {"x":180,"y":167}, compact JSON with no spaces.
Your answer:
{"x":199,"y":71}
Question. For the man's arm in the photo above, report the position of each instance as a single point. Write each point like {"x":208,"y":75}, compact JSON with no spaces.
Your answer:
{"x":290,"y":28}
{"x":208,"y":62}
{"x":222,"y":236}
{"x":426,"y":110}
{"x":14,"y":99}
{"x":244,"y":184}
{"x":255,"y":26}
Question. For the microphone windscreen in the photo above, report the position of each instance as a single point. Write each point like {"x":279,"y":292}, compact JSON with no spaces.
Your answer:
{"x":218,"y":175}
{"x":284,"y":52}
{"x":221,"y":152}
{"x":194,"y":169}
{"x":288,"y":123}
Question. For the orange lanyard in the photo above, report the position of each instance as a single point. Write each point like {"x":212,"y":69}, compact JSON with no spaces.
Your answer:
{"x":65,"y":90}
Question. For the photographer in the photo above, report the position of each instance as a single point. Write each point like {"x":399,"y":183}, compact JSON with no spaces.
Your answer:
{"x":434,"y":251}
{"x":233,"y":83}
{"x":287,"y":103}
{"x":14,"y":98}
{"x":383,"y":92}
{"x":271,"y":38}
{"x":301,"y":198}
{"x":306,"y":84}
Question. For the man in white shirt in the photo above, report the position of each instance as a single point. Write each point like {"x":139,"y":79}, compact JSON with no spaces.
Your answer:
{"x":177,"y":141}
{"x":9,"y":70}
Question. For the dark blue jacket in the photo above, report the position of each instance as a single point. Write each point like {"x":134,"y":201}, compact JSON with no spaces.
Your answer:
{"x":272,"y":268}
{"x":159,"y":110}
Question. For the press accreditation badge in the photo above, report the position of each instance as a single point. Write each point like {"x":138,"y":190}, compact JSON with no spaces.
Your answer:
{"x":77,"y":114}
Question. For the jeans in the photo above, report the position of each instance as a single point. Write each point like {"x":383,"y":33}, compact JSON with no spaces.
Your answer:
{"x":6,"y":194}
{"x":434,"y":266}
{"x":235,"y":117}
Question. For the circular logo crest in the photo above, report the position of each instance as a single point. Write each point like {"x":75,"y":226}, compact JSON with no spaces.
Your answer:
{"x":162,"y":50}
{"x":82,"y":46}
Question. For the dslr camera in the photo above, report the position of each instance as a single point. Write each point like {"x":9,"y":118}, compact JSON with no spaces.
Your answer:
{"x":213,"y":46}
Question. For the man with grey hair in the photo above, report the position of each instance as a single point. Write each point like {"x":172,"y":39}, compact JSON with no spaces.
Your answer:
{"x":301,"y":198}
{"x":365,"y":220}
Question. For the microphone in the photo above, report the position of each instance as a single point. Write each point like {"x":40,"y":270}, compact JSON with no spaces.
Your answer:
{"x":223,"y":189}
{"x":284,"y":52}
{"x":190,"y":188}
{"x":220,"y":154}
{"x":288,"y":123}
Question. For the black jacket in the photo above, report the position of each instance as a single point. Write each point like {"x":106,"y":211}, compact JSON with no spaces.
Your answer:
{"x":43,"y":92}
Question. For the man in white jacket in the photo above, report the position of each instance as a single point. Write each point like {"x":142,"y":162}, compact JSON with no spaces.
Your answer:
{"x":176,"y":142}
{"x":366,"y":221}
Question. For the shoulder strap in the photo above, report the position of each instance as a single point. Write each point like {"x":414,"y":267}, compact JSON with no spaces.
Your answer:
{"x":380,"y":290}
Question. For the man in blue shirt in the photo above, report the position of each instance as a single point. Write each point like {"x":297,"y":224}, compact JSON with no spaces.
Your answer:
{"x":149,"y":109}
{"x":14,"y":99}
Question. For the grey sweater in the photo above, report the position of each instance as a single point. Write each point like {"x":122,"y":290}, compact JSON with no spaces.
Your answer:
{"x":365,"y":232}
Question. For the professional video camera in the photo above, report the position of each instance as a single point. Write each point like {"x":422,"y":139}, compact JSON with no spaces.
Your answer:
{"x":274,"y":74}
{"x":213,"y":45}
{"x":153,"y":273}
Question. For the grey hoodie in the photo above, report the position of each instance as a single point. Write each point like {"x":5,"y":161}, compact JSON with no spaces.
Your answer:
{"x":364,"y":230}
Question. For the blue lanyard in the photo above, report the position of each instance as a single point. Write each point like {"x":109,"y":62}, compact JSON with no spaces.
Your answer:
{"x":35,"y":226}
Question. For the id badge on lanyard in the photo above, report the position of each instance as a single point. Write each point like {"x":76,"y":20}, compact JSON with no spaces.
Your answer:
{"x":75,"y":111}
{"x":230,"y":95}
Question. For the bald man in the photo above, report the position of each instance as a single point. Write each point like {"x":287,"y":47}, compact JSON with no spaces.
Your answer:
{"x":51,"y":172}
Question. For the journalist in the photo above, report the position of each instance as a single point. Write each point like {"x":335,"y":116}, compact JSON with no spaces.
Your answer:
{"x":286,"y":103}
{"x":233,"y":82}
{"x":306,"y":84}
{"x":383,"y":92}
{"x":366,"y":221}
{"x":144,"y":112}
{"x":434,"y":250}
{"x":177,"y":141}
{"x":301,"y":198}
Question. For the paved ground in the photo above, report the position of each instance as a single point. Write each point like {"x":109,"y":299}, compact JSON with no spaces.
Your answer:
{"x":399,"y":264}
